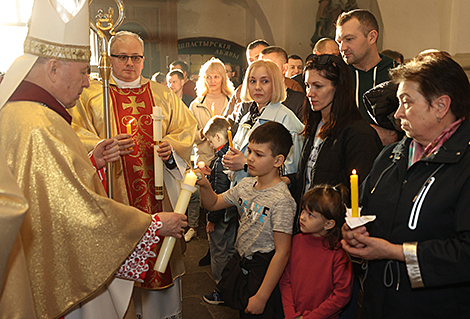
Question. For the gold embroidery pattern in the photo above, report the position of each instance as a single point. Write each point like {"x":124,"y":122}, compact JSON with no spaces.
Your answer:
{"x":125,"y":92}
{"x":142,"y":168}
{"x":134,"y":105}
{"x":46,"y":49}
{"x":138,"y":166}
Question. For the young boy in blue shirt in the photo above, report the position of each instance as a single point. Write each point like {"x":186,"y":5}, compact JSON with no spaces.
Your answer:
{"x":221,"y":224}
{"x":266,"y":208}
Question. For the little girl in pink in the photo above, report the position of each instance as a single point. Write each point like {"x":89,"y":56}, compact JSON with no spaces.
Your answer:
{"x":317,"y":282}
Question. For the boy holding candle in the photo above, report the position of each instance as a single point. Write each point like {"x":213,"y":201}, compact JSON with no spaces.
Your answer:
{"x":221,"y":224}
{"x":266,"y":208}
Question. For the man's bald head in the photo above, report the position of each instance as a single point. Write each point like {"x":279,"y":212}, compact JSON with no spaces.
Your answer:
{"x":326,"y":46}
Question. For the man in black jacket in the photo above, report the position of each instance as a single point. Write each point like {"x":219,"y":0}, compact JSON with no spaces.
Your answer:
{"x":357,"y":32}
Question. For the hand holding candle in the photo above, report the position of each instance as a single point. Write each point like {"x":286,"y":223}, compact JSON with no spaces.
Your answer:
{"x":187,"y":188}
{"x":354,"y":194}
{"x":203,"y":168}
{"x":354,"y":218}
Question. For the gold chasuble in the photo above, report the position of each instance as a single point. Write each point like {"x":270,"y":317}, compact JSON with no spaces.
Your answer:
{"x":13,"y":207}
{"x":133,"y":178}
{"x":73,"y":237}
{"x":134,"y":106}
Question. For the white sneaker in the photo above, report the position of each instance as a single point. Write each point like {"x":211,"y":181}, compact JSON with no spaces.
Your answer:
{"x":190,"y":234}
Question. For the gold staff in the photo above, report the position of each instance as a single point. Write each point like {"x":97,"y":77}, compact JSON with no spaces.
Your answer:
{"x":105,"y":22}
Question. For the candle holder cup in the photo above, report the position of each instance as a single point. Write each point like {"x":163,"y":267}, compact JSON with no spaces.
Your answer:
{"x":354,"y":222}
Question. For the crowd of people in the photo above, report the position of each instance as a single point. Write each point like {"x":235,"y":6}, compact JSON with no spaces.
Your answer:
{"x":273,"y":156}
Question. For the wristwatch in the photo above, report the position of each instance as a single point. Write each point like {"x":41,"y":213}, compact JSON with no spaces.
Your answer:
{"x":245,"y":168}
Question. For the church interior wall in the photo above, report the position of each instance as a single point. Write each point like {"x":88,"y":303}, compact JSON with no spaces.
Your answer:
{"x":215,"y":18}
{"x":405,"y":26}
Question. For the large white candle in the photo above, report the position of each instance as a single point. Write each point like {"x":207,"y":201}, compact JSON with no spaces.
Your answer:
{"x":157,"y":160}
{"x":187,"y":188}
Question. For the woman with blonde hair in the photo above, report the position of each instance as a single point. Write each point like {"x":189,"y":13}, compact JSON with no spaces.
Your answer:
{"x":213,"y":93}
{"x":263,"y":86}
{"x":213,"y":90}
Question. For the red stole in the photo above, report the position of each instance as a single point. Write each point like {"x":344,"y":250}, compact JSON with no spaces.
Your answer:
{"x":137,"y":167}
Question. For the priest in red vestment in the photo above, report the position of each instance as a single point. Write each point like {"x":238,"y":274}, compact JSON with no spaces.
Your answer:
{"x":132,"y":98}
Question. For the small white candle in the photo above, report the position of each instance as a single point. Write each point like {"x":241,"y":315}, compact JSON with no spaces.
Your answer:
{"x":201,"y":165}
{"x":181,"y":205}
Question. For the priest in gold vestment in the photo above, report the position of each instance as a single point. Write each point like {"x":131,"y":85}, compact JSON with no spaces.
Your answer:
{"x":132,"y":98}
{"x":74,"y":244}
{"x":13,"y":208}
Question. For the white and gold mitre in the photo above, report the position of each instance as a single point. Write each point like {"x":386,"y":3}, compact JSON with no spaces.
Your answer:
{"x":55,"y":32}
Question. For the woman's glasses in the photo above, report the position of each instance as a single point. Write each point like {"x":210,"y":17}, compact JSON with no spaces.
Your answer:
{"x":123,"y":58}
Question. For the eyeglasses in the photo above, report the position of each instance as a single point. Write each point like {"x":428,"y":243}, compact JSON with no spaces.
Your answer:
{"x":123,"y":58}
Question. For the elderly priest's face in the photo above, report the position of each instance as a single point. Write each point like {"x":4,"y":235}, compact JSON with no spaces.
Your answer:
{"x":72,"y":77}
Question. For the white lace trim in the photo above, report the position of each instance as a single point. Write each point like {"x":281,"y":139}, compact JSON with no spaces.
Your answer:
{"x":136,"y":263}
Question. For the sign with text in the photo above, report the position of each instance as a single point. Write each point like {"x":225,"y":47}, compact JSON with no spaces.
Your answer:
{"x":196,"y":51}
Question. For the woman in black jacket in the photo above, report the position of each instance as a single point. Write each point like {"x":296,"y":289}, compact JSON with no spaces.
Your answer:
{"x":418,"y":248}
{"x":337,"y":138}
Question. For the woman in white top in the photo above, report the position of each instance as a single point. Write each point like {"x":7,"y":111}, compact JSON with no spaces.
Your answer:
{"x":213,"y":90}
{"x":213,"y":93}
{"x":263,"y":86}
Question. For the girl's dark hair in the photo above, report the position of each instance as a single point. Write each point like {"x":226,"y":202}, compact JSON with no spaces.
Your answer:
{"x":343,"y":107}
{"x":328,"y":201}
